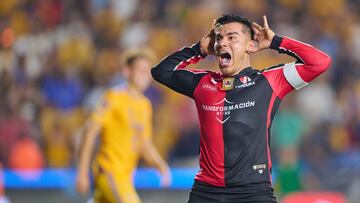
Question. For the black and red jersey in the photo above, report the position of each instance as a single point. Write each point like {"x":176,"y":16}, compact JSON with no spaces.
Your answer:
{"x":236,"y":112}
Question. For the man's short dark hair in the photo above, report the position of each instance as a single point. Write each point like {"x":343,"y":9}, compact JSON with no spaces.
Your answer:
{"x":231,"y":18}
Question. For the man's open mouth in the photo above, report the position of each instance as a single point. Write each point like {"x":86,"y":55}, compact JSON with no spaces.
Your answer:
{"x":224,"y":58}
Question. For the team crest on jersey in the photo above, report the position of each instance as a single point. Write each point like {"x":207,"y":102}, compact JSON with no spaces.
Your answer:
{"x":228,"y":83}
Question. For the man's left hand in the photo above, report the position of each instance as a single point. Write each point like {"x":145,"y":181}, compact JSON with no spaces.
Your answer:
{"x":263,"y":35}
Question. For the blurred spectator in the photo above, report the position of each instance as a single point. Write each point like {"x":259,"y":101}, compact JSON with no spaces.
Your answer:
{"x":288,"y":130}
{"x":62,"y":89}
{"x":289,"y":125}
{"x":50,"y":12}
{"x":11,"y":127}
{"x":27,"y":149}
{"x":289,"y":177}
{"x":316,"y":153}
{"x":62,"y":115}
{"x":186,"y":150}
{"x":58,"y":146}
{"x":319,"y":107}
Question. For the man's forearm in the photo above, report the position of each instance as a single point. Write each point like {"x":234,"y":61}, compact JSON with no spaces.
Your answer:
{"x":176,"y":61}
{"x":92,"y":131}
{"x":152,"y":157}
{"x":172,"y":71}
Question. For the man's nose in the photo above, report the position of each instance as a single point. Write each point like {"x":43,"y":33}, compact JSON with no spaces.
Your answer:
{"x":222,"y":43}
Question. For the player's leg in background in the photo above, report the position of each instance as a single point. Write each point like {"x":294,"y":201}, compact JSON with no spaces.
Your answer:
{"x":123,"y":186}
{"x":110,"y":188}
{"x":102,"y":192}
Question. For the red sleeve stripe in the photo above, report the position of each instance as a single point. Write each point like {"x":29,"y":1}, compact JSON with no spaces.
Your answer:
{"x":193,"y":71}
{"x":268,"y":124}
{"x":191,"y":60}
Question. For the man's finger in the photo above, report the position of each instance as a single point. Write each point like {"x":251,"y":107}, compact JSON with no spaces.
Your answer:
{"x":256,"y":31}
{"x":266,"y":25}
{"x":214,"y":23}
{"x":256,"y":25}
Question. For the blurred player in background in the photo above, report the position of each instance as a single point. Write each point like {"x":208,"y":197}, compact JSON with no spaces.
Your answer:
{"x":237,"y":105}
{"x":123,"y":121}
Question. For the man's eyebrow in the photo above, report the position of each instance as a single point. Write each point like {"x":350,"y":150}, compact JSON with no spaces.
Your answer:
{"x":226,"y":34}
{"x":218,"y":34}
{"x":232,"y":33}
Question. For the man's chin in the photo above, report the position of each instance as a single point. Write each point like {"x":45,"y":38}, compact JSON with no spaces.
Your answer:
{"x":226,"y":70}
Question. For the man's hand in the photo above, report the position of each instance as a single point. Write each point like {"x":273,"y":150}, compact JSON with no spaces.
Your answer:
{"x":82,"y":183}
{"x":207,"y":42}
{"x":166,"y":178}
{"x":263,"y":35}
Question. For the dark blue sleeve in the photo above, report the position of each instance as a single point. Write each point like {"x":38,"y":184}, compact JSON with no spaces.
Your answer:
{"x":172,"y":71}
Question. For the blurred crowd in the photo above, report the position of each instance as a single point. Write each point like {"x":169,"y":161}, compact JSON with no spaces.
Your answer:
{"x":58,"y":56}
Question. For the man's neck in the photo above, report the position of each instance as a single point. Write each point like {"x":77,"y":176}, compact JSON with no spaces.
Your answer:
{"x":242,"y":67}
{"x":134,"y":91}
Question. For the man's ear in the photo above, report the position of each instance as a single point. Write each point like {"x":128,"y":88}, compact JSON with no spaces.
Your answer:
{"x":252,"y":47}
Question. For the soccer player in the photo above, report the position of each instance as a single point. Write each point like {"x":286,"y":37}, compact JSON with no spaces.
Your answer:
{"x":237,"y":105}
{"x":123,"y":122}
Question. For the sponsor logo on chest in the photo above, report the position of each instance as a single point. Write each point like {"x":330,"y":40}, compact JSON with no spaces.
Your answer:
{"x":246,"y":82}
{"x":224,"y":108}
{"x":208,"y":87}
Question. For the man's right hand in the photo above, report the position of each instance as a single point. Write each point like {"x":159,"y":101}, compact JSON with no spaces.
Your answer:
{"x":166,"y":177}
{"x":82,"y":184}
{"x":207,"y":43}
